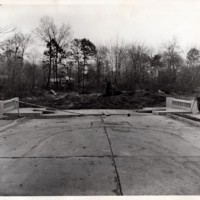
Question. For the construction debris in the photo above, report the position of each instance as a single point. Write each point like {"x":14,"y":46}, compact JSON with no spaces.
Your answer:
{"x":74,"y":100}
{"x":53,"y":92}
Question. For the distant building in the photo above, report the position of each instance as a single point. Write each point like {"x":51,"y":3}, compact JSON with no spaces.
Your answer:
{"x":62,"y":82}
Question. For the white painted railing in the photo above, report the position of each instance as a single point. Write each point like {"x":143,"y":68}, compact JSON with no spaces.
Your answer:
{"x":188,"y":105}
{"x":8,"y":105}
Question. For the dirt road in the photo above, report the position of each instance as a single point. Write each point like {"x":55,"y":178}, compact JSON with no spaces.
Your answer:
{"x":142,"y":154}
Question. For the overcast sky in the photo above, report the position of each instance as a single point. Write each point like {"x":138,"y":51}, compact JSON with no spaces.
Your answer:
{"x":151,"y":22}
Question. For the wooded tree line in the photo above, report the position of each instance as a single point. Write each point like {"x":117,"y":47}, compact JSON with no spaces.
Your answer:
{"x":88,"y":67}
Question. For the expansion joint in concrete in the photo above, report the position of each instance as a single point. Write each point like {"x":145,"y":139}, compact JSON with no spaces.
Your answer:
{"x":119,"y":188}
{"x":53,"y":157}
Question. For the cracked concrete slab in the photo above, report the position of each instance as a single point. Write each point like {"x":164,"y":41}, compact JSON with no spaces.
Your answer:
{"x":47,"y":177}
{"x":149,"y":142}
{"x":31,"y":140}
{"x":141,"y":154}
{"x":159,"y":175}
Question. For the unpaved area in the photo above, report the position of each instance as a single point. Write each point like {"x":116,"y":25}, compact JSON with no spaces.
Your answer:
{"x":142,"y":154}
{"x":74,"y":100}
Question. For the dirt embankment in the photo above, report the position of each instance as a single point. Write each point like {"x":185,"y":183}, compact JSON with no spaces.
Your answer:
{"x":98,"y":101}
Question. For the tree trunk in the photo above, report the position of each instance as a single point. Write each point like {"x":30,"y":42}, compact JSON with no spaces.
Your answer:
{"x":78,"y":77}
{"x":83,"y":73}
{"x":56,"y":69}
{"x":49,"y":73}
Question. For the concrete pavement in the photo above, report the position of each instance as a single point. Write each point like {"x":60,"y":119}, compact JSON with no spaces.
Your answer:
{"x":143,"y":154}
{"x":4,"y":123}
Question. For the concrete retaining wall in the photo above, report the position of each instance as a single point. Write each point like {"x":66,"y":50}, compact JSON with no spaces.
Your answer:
{"x":188,"y":105}
{"x":8,"y":105}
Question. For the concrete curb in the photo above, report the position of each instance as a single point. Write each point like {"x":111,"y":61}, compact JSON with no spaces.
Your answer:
{"x":189,"y":121}
{"x":70,"y":116}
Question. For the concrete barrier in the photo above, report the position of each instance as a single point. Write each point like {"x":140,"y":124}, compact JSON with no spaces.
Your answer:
{"x":8,"y":105}
{"x":188,"y":105}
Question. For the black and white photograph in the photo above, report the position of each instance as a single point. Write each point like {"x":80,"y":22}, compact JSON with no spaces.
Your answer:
{"x":100,"y":98}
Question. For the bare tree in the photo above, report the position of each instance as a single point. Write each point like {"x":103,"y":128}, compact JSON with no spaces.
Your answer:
{"x":118,"y":53}
{"x":193,"y":57}
{"x":101,"y":63}
{"x":78,"y":57}
{"x":171,"y":55}
{"x":89,"y":52}
{"x":193,"y":62}
{"x":139,"y":61}
{"x":31,"y":68}
{"x":173,"y":61}
{"x":14,"y":50}
{"x":51,"y":34}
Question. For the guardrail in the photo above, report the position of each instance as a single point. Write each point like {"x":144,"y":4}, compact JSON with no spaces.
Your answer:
{"x":188,"y":105}
{"x":8,"y":105}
